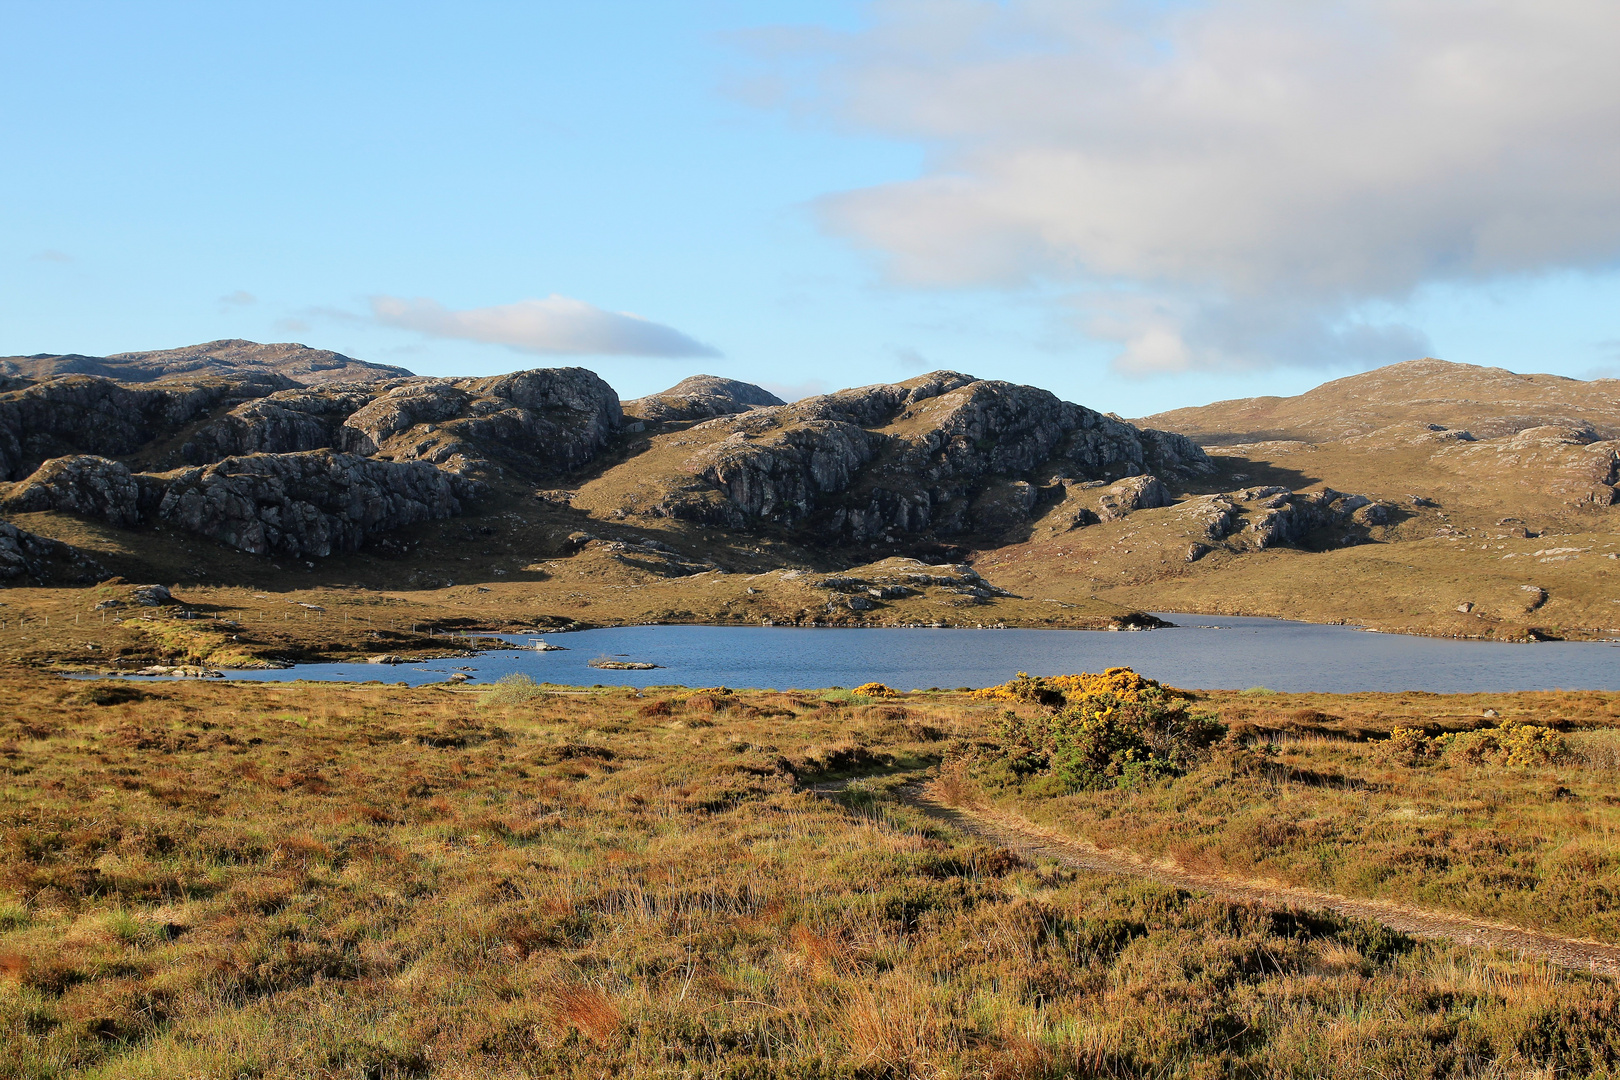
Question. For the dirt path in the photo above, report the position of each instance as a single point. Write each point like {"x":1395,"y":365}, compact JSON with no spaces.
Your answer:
{"x":1020,"y":835}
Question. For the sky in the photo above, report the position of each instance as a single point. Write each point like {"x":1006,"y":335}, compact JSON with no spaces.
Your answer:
{"x":1139,"y":206}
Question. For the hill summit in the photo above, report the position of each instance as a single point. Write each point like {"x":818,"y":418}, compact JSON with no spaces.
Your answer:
{"x":1487,"y":401}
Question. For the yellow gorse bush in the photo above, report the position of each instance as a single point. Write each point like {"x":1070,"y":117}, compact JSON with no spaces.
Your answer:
{"x":1121,"y":682}
{"x":875,"y":689}
{"x":1526,"y":745}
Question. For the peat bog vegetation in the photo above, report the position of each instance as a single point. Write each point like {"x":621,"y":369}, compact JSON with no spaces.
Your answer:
{"x":292,"y":880}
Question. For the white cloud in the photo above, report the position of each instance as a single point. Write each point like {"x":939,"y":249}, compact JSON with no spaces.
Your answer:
{"x":1246,"y":173}
{"x":555,"y":326}
{"x":239,"y":298}
{"x":791,"y":392}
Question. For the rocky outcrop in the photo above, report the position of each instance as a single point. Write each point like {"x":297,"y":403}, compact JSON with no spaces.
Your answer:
{"x":26,"y":554}
{"x":228,"y":359}
{"x":84,"y":414}
{"x":286,"y":422}
{"x":307,"y":505}
{"x":945,"y":453}
{"x":84,"y":484}
{"x":551,"y":419}
{"x":1135,"y":493}
{"x":299,"y":505}
{"x":699,"y":398}
{"x":1282,"y":517}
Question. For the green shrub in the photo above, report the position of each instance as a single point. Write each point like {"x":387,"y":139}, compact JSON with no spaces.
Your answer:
{"x":1101,"y":740}
{"x":513,"y":689}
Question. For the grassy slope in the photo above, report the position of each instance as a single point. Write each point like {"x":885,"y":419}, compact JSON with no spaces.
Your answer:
{"x":1412,"y":577}
{"x":1488,"y":401}
{"x":1328,"y":807}
{"x":365,"y":881}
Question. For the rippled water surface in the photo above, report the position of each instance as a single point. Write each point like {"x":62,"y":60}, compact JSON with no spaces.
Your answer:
{"x":1202,"y":651}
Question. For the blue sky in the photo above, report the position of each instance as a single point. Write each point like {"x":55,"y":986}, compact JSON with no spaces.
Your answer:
{"x":1094,"y":198}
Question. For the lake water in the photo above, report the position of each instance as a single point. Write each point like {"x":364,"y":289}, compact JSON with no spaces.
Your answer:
{"x":1204,"y":652}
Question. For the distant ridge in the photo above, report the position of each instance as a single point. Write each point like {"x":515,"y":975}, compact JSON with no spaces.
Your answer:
{"x":1487,"y":401}
{"x":232,"y":356}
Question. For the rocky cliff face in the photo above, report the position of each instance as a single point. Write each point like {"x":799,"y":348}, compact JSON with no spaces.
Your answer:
{"x":945,"y":453}
{"x":291,"y":470}
{"x":84,"y":484}
{"x":549,"y":421}
{"x":307,"y":505}
{"x":699,"y":398}
{"x":286,"y":422}
{"x":87,"y":414}
{"x":298,"y":505}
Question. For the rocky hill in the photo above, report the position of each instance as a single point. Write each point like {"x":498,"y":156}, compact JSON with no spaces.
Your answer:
{"x":700,"y":397}
{"x":941,"y":456}
{"x":1484,"y":401}
{"x":1420,"y":502}
{"x":231,"y":358}
{"x":266,"y":466}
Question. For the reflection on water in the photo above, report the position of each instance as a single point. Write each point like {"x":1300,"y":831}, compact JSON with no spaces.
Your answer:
{"x":1208,"y":652}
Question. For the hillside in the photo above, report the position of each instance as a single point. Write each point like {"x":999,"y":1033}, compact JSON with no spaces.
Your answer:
{"x":1487,"y":402}
{"x":538,"y":499}
{"x":227,"y":359}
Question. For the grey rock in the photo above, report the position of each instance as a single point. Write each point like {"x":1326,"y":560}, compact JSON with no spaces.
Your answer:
{"x":84,"y":484}
{"x":307,"y":505}
{"x":83,"y":414}
{"x":1288,"y":521}
{"x":286,"y":422}
{"x":552,"y":419}
{"x":1371,"y":514}
{"x":152,"y":595}
{"x":1196,"y":552}
{"x":1134,"y":493}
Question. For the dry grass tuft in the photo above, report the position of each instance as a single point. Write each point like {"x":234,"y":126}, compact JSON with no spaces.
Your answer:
{"x":588,"y":1010}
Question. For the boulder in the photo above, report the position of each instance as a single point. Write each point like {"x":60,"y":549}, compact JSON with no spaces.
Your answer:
{"x":1134,"y":493}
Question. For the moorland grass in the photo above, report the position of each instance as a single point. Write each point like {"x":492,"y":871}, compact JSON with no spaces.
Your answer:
{"x":1515,"y":816}
{"x":284,"y":880}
